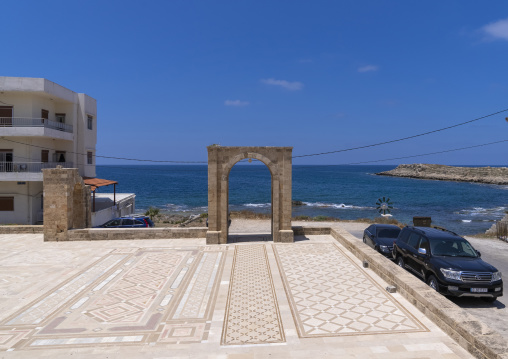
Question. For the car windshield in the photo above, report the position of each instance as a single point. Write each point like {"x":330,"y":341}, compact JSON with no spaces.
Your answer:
{"x":452,"y":248}
{"x":388,"y":233}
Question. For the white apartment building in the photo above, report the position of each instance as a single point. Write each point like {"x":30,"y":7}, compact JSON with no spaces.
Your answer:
{"x":42,"y":125}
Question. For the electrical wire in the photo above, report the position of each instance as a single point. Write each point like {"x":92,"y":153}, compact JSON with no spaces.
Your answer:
{"x":109,"y":157}
{"x":401,"y":139}
{"x":294,"y":157}
{"x":427,"y":154}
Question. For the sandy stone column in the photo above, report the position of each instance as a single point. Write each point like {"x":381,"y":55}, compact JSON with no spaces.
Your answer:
{"x":66,"y":203}
{"x":213,"y":233}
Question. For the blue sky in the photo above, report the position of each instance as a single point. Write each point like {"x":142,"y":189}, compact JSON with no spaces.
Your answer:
{"x":172,"y":77}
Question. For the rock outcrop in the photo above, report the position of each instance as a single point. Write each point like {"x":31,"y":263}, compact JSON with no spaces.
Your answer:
{"x":488,"y":175}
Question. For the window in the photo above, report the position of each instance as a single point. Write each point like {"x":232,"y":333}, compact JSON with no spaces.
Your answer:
{"x":424,"y":243}
{"x":113,"y":223}
{"x":5,"y":116}
{"x":404,"y":236}
{"x":7,"y":204}
{"x":6,"y":160}
{"x":413,"y":240}
{"x":89,"y":158}
{"x":127,"y":222}
{"x":44,"y":156}
{"x":59,"y":156}
{"x":60,"y":117}
{"x":44,"y":116}
{"x":90,"y":122}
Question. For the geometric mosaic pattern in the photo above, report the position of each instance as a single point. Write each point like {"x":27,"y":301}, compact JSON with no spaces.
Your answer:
{"x":128,"y":299}
{"x":331,"y":296}
{"x":252,"y":314}
{"x":41,"y":309}
{"x":136,"y":295}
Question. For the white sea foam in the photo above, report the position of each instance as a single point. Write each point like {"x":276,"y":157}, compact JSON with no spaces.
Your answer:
{"x":334,"y":205}
{"x":258,"y":205}
{"x":176,"y":207}
{"x":480,"y":211}
{"x":466,"y":220}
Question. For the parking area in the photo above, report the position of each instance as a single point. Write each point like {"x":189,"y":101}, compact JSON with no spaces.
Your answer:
{"x":181,"y":298}
{"x":494,"y":252}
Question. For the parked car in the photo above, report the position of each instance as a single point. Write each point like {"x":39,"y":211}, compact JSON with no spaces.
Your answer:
{"x":447,"y":263}
{"x":381,"y":237}
{"x":128,"y":222}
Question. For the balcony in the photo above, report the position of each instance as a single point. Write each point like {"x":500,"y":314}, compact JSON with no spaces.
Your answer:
{"x":27,"y":171}
{"x":42,"y":127}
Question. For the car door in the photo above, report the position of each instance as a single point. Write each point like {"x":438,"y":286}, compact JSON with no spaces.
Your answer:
{"x":411,"y":251}
{"x":127,"y":223}
{"x":420,"y":259}
{"x":371,"y":232}
{"x":138,"y":223}
{"x":114,"y":223}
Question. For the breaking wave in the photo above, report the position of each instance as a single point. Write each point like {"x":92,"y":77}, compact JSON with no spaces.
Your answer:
{"x":334,"y":205}
{"x":258,"y":205}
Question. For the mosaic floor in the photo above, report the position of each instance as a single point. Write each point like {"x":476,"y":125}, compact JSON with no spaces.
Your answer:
{"x":330,"y":295}
{"x":181,"y":298}
{"x":130,"y":295}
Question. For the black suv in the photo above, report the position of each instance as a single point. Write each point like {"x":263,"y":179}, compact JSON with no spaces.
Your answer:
{"x":447,"y":262}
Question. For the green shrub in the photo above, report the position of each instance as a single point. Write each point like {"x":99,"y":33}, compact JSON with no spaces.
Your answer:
{"x":322,"y":218}
{"x":302,"y":218}
{"x":152,"y":212}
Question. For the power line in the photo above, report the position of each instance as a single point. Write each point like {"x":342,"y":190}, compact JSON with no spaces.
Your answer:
{"x":109,"y":157}
{"x":427,"y":154}
{"x":400,"y":139}
{"x":299,"y":156}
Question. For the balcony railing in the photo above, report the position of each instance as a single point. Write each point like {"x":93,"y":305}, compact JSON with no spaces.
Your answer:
{"x":31,"y":167}
{"x":34,"y":122}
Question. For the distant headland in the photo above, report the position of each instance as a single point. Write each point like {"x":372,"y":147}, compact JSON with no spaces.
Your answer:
{"x":488,"y":175}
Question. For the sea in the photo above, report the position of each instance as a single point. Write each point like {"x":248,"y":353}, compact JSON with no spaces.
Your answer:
{"x":348,"y":192}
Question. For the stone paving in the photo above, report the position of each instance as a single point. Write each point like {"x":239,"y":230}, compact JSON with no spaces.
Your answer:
{"x":181,"y":298}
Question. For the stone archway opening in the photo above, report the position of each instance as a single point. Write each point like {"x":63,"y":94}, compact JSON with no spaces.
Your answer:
{"x":221,"y":160}
{"x":250,"y":194}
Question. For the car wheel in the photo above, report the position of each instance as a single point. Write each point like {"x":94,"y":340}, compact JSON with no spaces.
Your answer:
{"x":364,"y":240}
{"x":401,"y":263}
{"x":432,"y":282}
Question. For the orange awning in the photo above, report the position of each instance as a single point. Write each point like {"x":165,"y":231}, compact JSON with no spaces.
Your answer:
{"x":98,"y":182}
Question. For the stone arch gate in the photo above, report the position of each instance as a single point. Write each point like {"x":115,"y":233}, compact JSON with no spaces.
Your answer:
{"x":221,"y":160}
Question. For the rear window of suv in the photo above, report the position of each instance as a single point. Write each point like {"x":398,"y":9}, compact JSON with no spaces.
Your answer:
{"x":413,"y":240}
{"x":404,"y":235}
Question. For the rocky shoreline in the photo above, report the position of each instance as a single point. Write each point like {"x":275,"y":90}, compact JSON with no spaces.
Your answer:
{"x":487,"y":175}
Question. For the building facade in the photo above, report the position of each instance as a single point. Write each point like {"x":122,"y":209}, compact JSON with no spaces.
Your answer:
{"x":42,"y":125}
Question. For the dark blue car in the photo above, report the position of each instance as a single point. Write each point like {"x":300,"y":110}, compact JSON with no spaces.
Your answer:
{"x":381,"y":237}
{"x":129,"y":222}
{"x":447,"y":263}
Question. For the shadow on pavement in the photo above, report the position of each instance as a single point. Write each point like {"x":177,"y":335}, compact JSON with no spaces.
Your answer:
{"x":476,"y":303}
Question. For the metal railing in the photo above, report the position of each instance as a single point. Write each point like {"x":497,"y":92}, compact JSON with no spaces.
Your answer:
{"x":34,"y":122}
{"x":31,"y":167}
{"x":502,"y":230}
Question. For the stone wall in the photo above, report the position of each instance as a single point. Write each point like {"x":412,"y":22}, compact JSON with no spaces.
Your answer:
{"x":21,"y":229}
{"x":66,"y":203}
{"x":98,"y":234}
